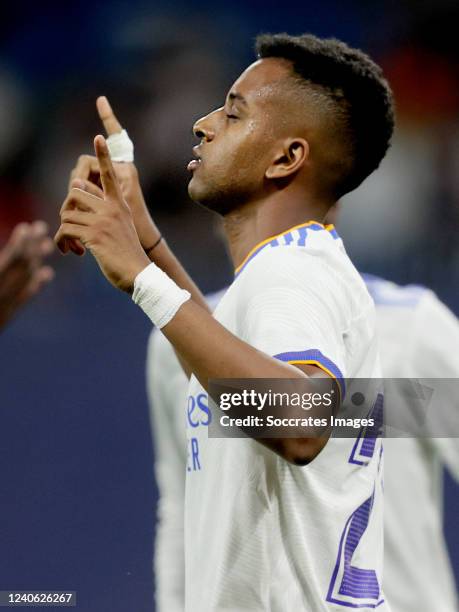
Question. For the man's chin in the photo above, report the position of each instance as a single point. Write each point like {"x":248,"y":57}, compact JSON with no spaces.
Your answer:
{"x":213,"y":199}
{"x":199,"y":194}
{"x":193,"y":190}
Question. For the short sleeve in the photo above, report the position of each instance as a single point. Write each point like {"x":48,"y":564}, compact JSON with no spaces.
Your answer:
{"x":293,"y":308}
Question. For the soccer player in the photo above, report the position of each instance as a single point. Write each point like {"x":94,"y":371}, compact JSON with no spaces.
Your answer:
{"x":286,"y":523}
{"x":413,"y":466}
{"x":22,"y":269}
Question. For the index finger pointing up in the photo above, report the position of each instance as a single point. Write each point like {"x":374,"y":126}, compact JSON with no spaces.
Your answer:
{"x":107,"y":116}
{"x":107,"y":173}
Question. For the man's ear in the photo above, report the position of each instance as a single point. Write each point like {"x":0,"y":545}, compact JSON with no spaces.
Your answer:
{"x":289,"y":159}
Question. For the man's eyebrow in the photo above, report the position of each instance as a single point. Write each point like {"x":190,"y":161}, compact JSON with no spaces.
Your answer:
{"x":237,"y":96}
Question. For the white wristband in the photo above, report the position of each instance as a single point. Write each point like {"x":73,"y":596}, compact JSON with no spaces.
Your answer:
{"x":157,"y":295}
{"x":120,"y":147}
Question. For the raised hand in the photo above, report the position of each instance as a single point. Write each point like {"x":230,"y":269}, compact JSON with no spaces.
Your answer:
{"x":100,"y":219}
{"x":22,"y":271}
{"x":86,"y":173}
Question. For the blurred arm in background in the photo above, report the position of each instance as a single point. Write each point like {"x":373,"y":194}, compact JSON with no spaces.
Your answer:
{"x":167,"y":386}
{"x":22,"y":269}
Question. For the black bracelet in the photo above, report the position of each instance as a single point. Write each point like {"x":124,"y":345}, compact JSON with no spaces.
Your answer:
{"x":147,"y":251}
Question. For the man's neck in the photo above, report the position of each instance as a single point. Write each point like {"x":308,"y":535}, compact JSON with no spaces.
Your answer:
{"x":255,"y":221}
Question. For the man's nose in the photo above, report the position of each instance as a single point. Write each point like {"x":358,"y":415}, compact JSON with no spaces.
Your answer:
{"x":203,"y":128}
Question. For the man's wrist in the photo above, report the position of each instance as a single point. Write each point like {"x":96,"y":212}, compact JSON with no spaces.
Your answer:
{"x":158,"y":295}
{"x":133,"y":272}
{"x":146,"y":229}
{"x":148,"y":250}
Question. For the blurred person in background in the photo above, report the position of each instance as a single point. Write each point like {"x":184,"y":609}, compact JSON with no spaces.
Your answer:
{"x":167,"y":387}
{"x":22,"y":269}
{"x":419,"y":338}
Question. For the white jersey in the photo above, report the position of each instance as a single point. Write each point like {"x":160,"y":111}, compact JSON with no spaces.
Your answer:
{"x":260,"y":533}
{"x":413,"y":491}
{"x":419,"y":337}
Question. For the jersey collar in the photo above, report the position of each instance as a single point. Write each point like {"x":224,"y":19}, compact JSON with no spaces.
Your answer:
{"x":288,"y":238}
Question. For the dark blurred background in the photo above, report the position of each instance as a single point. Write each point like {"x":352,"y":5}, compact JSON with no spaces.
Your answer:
{"x":77,"y":495}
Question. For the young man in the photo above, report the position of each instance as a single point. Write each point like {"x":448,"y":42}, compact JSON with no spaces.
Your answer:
{"x":276,"y":525}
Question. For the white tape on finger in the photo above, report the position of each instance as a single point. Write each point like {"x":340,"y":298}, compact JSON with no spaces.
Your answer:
{"x":120,"y":147}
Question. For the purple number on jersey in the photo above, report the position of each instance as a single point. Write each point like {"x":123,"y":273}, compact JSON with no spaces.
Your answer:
{"x":364,"y":446}
{"x":352,"y":586}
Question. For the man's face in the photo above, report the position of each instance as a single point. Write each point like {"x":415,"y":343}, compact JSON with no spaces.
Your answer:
{"x":237,"y":140}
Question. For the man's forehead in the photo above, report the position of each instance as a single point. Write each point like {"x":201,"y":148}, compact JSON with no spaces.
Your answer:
{"x":258,"y":80}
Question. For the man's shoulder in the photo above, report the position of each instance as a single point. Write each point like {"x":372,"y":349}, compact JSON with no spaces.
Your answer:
{"x":416,"y":329}
{"x":387,"y":294}
{"x":323,"y":269}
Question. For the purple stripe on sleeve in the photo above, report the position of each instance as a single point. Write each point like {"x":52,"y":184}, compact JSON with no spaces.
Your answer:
{"x":315,"y":355}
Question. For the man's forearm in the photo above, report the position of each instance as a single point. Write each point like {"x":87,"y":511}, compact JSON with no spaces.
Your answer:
{"x":213,"y":352}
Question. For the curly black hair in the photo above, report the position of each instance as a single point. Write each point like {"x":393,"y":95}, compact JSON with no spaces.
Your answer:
{"x":360,"y":96}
